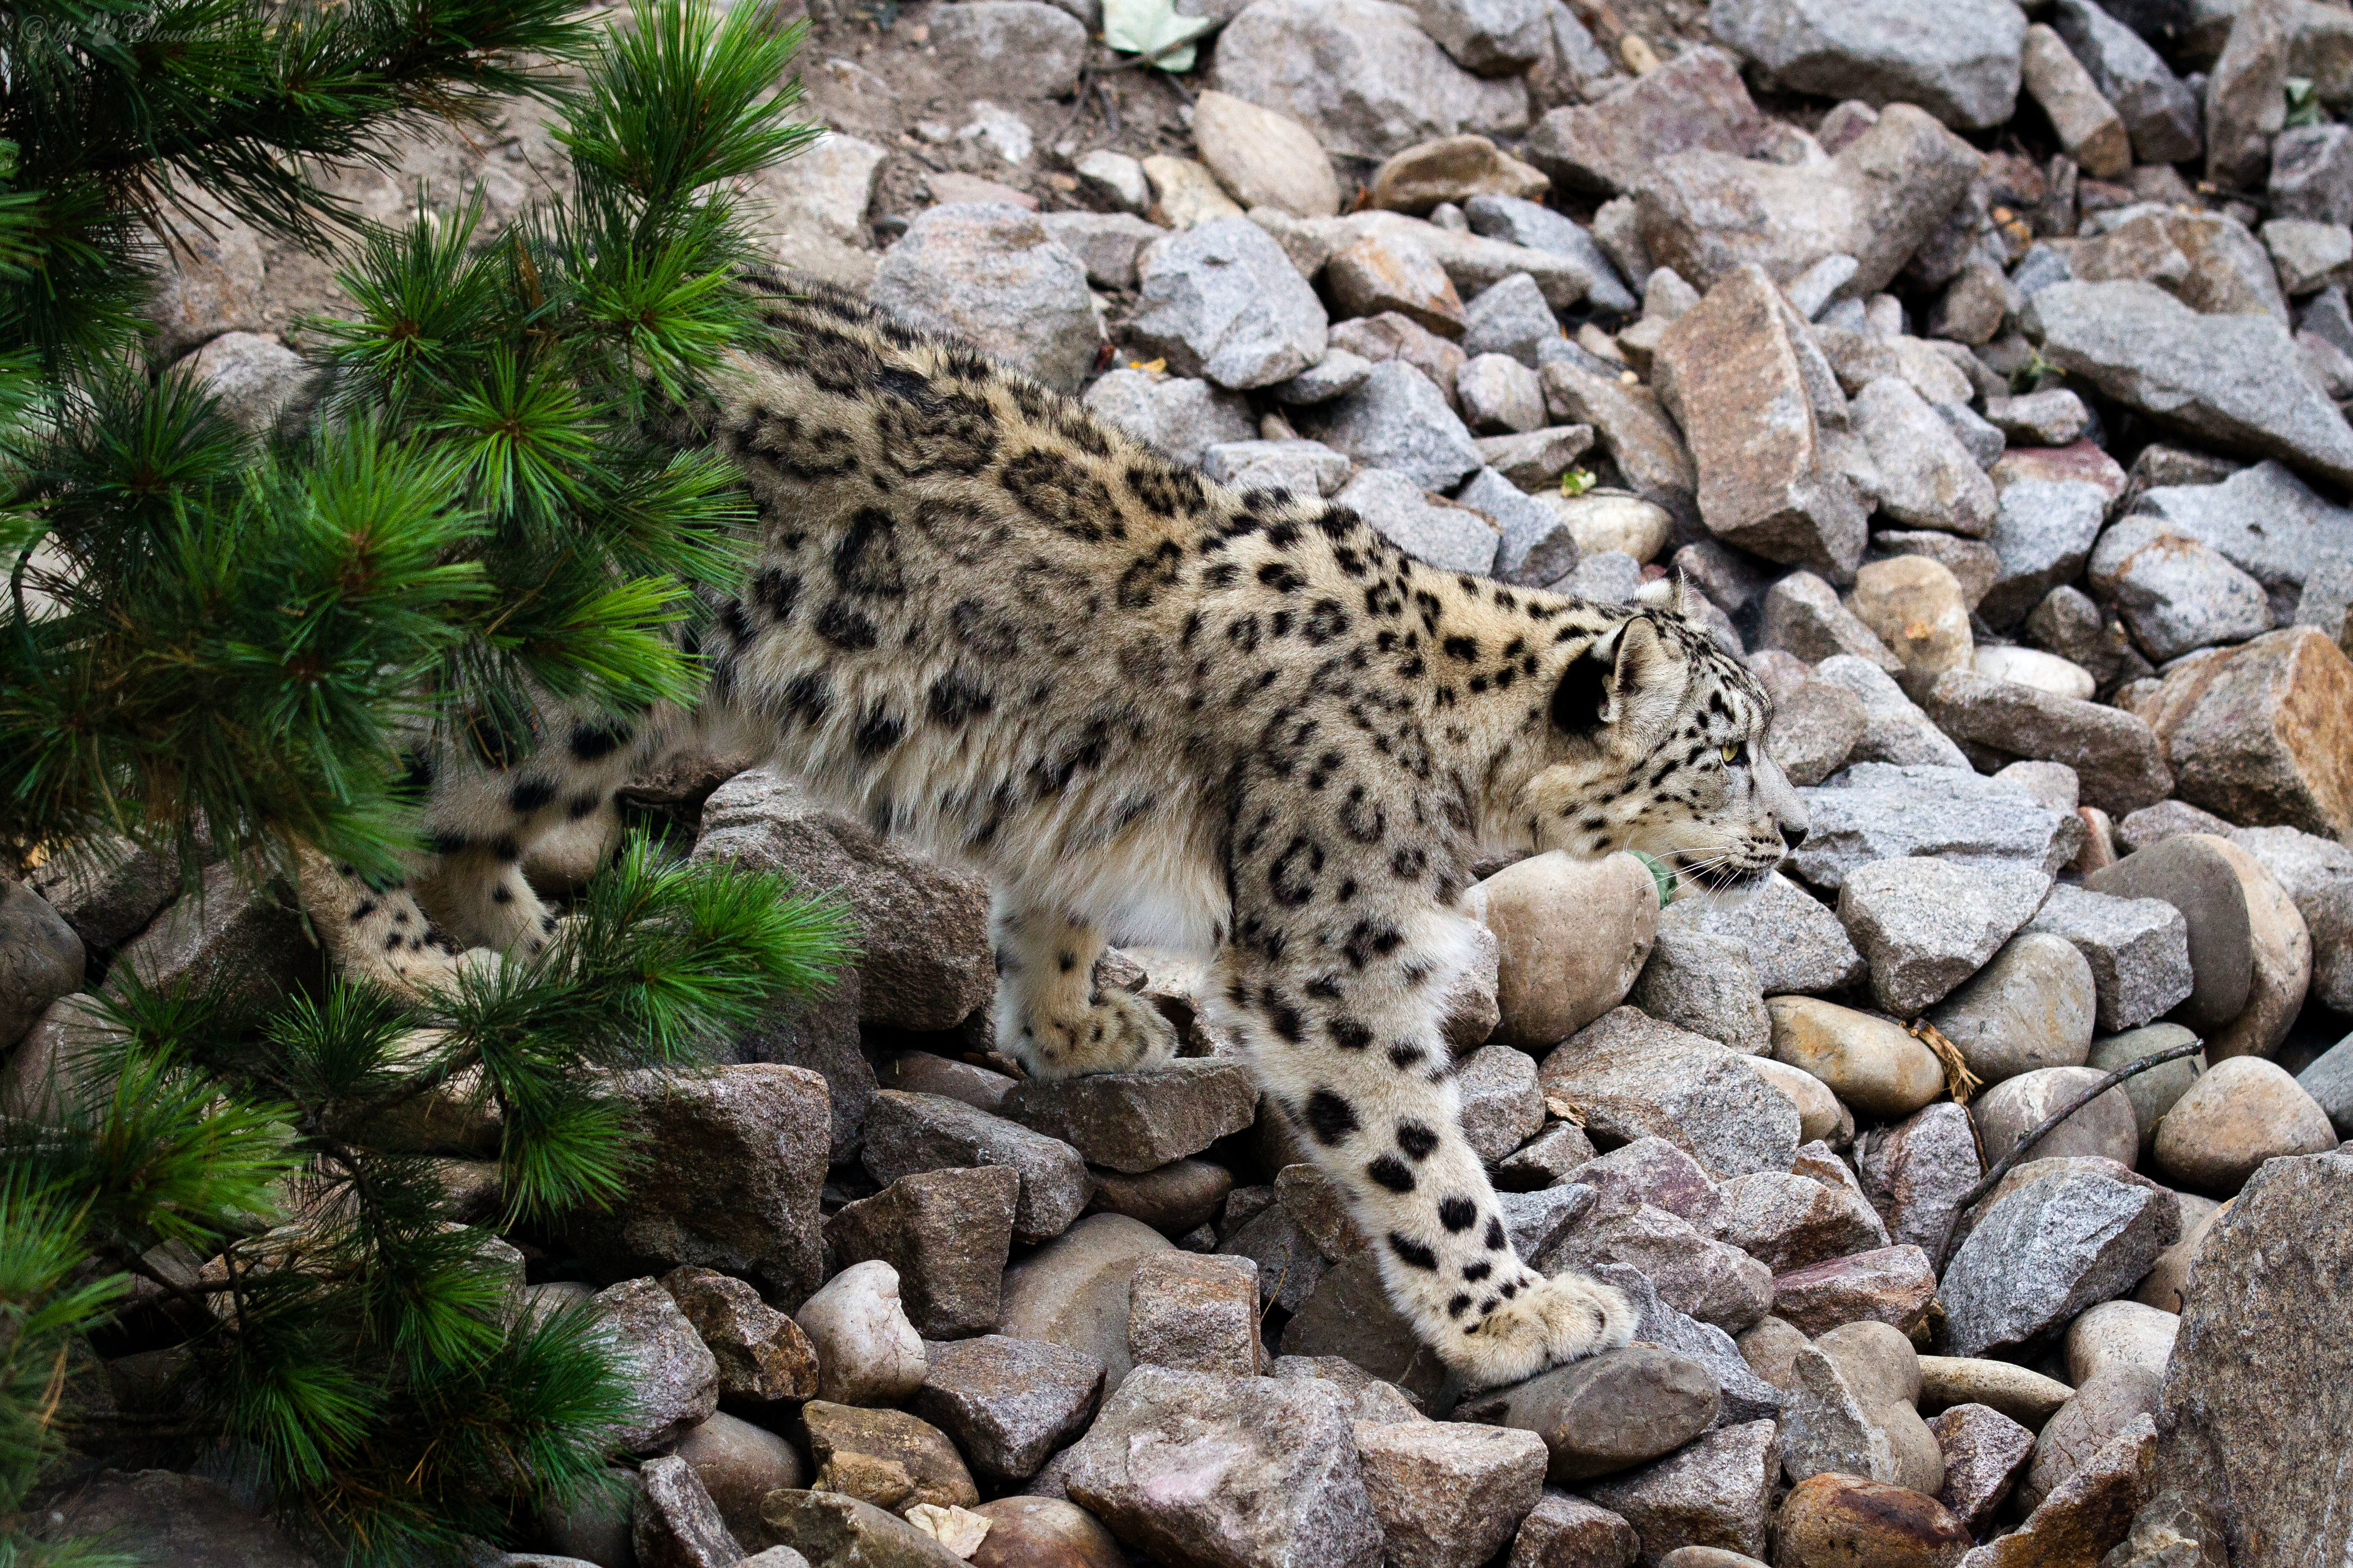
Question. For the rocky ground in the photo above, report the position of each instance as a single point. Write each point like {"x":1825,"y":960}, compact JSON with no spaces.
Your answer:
{"x":1979,"y":368}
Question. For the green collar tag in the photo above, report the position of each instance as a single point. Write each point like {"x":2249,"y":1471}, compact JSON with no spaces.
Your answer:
{"x":1660,"y":875}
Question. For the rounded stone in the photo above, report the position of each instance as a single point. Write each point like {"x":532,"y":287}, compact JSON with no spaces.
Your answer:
{"x":2243,"y":1113}
{"x":739,"y":1464}
{"x":1604,"y":520}
{"x":1571,"y":937}
{"x":41,"y":960}
{"x":1044,"y":1532}
{"x":1818,"y":1112}
{"x":2168,"y":1277}
{"x":2032,"y":1008}
{"x":1770,"y":1347}
{"x":1870,"y":1063}
{"x":1609,"y":1412}
{"x":867,"y":1351}
{"x":2032,"y":667}
{"x":1707,"y":1557}
{"x":2279,"y":947}
{"x":2015,"y":1107}
{"x":1833,"y":1520}
{"x":1917,"y":606}
{"x":2104,"y":1405}
{"x":2120,"y":1333}
{"x":1263,"y":158}
{"x":2023,"y":1395}
{"x":2155,"y":1091}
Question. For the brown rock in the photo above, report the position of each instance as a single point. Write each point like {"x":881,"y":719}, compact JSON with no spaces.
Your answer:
{"x":189,"y":1521}
{"x":1716,"y":1491}
{"x":1448,"y":1494}
{"x":762,"y":1354}
{"x":1984,"y":1452}
{"x":833,"y":1527}
{"x":1263,"y":158}
{"x":1376,"y":273}
{"x":1607,"y":1413}
{"x":886,"y":1457}
{"x":1789,"y":1222}
{"x":1453,"y":169}
{"x":947,"y":1233}
{"x":1178,"y":1197}
{"x":2087,"y":1516}
{"x":2167,"y":1281}
{"x":1887,"y":1285}
{"x":1695,"y":101}
{"x":1044,"y":1532}
{"x":2105,"y":1404}
{"x":739,"y":1465}
{"x":2245,"y":1112}
{"x":2264,"y":733}
{"x":1140,"y":1120}
{"x":1565,"y":1531}
{"x":1832,"y":1520}
{"x":1571,"y":936}
{"x":1194,"y":1314}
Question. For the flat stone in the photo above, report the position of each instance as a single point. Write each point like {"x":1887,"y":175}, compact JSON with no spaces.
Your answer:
{"x":2228,"y":381}
{"x":867,"y":1352}
{"x":1448,"y":1495}
{"x":2266,"y":522}
{"x":990,"y":274}
{"x":1453,"y":169}
{"x":1794,"y":941}
{"x":1008,"y":1402}
{"x":1984,"y":1452}
{"x":1373,"y":273}
{"x":1632,"y":1077}
{"x":1651,"y":1170}
{"x":2021,"y":1395}
{"x":2138,"y":949}
{"x":2049,"y":418}
{"x":831,"y":1527}
{"x":1695,"y":101}
{"x":2174,"y":592}
{"x":1875,"y":811}
{"x":2048,"y":1250}
{"x":1227,"y":1470}
{"x":1430,"y":529}
{"x":1565,"y":1532}
{"x":1536,"y":459}
{"x":1305,"y":468}
{"x":1716,"y":1491}
{"x":1138,"y":1121}
{"x":1108,"y":244}
{"x":907,"y":1133}
{"x":1804,"y":617}
{"x":2114,"y":754}
{"x":1926,"y":925}
{"x":946,"y":1233}
{"x":675,"y":1381}
{"x":1264,"y":158}
{"x":1391,"y":335}
{"x":1607,"y":1413}
{"x":1707,"y":1279}
{"x":1961,"y":64}
{"x":1890,"y":1285}
{"x":761,"y":1354}
{"x":2256,"y":732}
{"x":1185,"y":193}
{"x":1174,"y":1199}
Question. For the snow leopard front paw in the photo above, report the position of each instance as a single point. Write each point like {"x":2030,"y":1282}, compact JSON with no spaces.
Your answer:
{"x":1548,"y":1322}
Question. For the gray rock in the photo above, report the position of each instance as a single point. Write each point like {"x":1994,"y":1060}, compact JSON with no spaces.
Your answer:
{"x":1536,"y":459}
{"x":1982,"y":441}
{"x":1716,"y":1491}
{"x":1107,"y":243}
{"x":2106,"y":1128}
{"x":1495,"y":392}
{"x":2160,"y":112}
{"x":2048,"y":1250}
{"x":1742,"y":1396}
{"x":675,"y":1381}
{"x":739,"y":1465}
{"x":2265,"y":521}
{"x":237,"y":939}
{"x":1634,"y":1077}
{"x":1195,"y":1314}
{"x":1893,"y":1285}
{"x":255,"y":377}
{"x":1632,"y":430}
{"x":1349,"y":1315}
{"x":2230,"y":380}
{"x":2117,"y":762}
{"x":906,"y":1133}
{"x":1429,"y":529}
{"x":2049,"y":418}
{"x":1397,"y":421}
{"x":2176,"y":593}
{"x":1009,"y":1403}
{"x":1607,"y":1413}
{"x":1362,"y":75}
{"x":1338,"y":371}
{"x":1180,"y":416}
{"x":947,"y":1231}
{"x":2042,"y":535}
{"x":1895,"y":729}
{"x":1804,"y":616}
{"x":1020,"y":46}
{"x":2312,"y":173}
{"x":41,"y":959}
{"x":2032,"y":1008}
{"x":1959,"y":62}
{"x":992,"y":274}
{"x":2245,"y":97}
{"x":831,"y":1527}
{"x":1794,"y":942}
{"x":1447,"y":1492}
{"x":1192,"y":1468}
{"x":744,"y":1156}
{"x":1509,"y":317}
{"x":1925,"y":925}
{"x":1789,"y":1222}
{"x":2317,"y":873}
{"x":1824,"y":1427}
{"x":2154,"y":1092}
{"x":1651,"y":1170}
{"x":1140,"y":1120}
{"x":1927,"y":477}
{"x":1875,"y":811}
{"x":108,"y":889}
{"x":1535,"y":1221}
{"x":1535,"y":226}
{"x":1917,"y":1171}
{"x":1537,"y":545}
{"x":1567,"y":1531}
{"x":1502,"y":1107}
{"x":675,"y":1524}
{"x":189,"y":1521}
{"x":2138,"y":949}
{"x":1816,"y":726}
{"x":925,"y":959}
{"x":2309,"y":257}
{"x":1221,"y":300}
{"x":1305,"y":468}
{"x":1714,"y":1282}
{"x":1984,"y":1452}
{"x":1543,"y":1159}
{"x":1706,"y":984}
{"x":1695,"y":101}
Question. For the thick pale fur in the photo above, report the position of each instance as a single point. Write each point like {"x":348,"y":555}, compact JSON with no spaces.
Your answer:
{"x":1155,"y":710}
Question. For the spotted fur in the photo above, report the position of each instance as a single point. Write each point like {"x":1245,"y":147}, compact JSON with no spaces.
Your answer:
{"x":1154,"y":709}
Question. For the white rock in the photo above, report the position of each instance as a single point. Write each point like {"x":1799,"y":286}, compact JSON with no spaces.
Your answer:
{"x":867,"y":1351}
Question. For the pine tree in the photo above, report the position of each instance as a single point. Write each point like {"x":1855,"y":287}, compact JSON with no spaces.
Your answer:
{"x":219,"y":644}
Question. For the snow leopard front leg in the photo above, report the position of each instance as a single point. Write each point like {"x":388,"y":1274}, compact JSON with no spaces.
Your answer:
{"x":1334,"y":982}
{"x":1052,"y":1017}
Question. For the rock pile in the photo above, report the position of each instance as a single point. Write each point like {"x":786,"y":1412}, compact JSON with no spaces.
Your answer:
{"x":2015,"y":475}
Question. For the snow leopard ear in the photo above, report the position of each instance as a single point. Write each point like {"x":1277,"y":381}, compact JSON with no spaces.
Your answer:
{"x":1625,"y":678}
{"x":1671,"y":592}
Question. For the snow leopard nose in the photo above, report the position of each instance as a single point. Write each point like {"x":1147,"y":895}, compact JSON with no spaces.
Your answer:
{"x":1792,"y":835}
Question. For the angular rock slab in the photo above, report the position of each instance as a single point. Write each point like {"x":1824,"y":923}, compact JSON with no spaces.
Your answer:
{"x":1924,"y":926}
{"x":1634,"y":1077}
{"x":1716,"y":1492}
{"x":2257,"y":733}
{"x":1139,"y":1122}
{"x":1959,"y":62}
{"x":1875,"y":811}
{"x":947,"y":1233}
{"x":1794,"y":942}
{"x":1228,"y":1472}
{"x":1448,"y":1495}
{"x":908,"y":1132}
{"x":1891,"y":1285}
{"x":2047,"y":1251}
{"x":1009,"y":1403}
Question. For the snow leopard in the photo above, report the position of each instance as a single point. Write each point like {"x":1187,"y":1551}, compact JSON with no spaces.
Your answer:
{"x":1155,"y":710}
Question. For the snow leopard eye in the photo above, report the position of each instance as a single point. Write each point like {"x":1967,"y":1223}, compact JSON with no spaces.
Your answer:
{"x":1734,"y":754}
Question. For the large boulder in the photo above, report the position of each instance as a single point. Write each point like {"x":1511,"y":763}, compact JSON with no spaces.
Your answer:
{"x":1960,"y":62}
{"x":992,"y":276}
